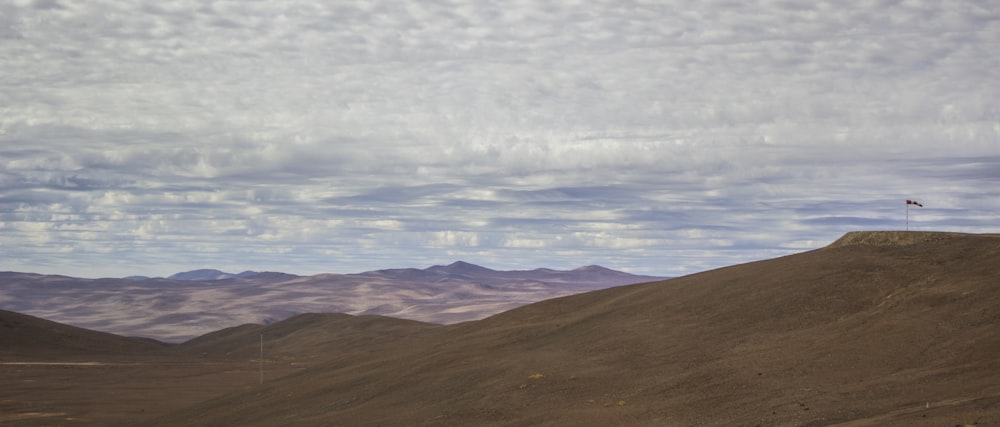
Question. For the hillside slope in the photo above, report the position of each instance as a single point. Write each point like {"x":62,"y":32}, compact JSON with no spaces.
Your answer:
{"x":28,"y":337}
{"x":851,"y":334}
{"x":54,"y":374}
{"x":307,"y":336}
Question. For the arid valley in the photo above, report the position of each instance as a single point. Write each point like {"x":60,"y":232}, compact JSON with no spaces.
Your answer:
{"x":877,"y":328}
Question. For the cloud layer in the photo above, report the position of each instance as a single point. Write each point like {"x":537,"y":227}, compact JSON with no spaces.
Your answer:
{"x":656,"y":137}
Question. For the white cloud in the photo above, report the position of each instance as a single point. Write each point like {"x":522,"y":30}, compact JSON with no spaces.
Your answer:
{"x":644,"y":134}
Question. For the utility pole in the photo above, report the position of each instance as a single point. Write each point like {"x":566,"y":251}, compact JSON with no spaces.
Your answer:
{"x":262,"y":358}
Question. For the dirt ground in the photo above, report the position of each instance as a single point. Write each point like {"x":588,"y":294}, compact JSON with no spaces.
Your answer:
{"x":106,"y":390}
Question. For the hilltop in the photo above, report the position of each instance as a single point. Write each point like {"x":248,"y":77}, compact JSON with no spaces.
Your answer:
{"x":898,"y":238}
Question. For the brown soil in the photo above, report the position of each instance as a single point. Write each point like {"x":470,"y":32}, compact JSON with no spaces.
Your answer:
{"x":880,"y":328}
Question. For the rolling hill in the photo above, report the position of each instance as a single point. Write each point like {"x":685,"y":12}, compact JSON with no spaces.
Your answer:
{"x":60,"y":375}
{"x":875,"y":329}
{"x":308,"y":336}
{"x":28,"y":337}
{"x":197,"y":302}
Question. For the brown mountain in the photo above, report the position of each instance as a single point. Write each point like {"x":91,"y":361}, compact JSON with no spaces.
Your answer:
{"x":879,"y":328}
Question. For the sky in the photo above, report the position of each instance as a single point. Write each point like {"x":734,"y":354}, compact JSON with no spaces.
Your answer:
{"x":656,"y":137}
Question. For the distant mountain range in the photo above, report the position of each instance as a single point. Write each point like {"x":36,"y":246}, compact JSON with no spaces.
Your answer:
{"x":458,"y":269}
{"x":205,"y":274}
{"x":209,"y":274}
{"x":191,"y":303}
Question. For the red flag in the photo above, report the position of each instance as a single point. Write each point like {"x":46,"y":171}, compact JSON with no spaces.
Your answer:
{"x":913,"y":202}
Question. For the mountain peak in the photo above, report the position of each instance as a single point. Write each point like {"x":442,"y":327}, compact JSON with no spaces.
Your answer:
{"x":460,"y":267}
{"x":463,"y":264}
{"x":592,"y":268}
